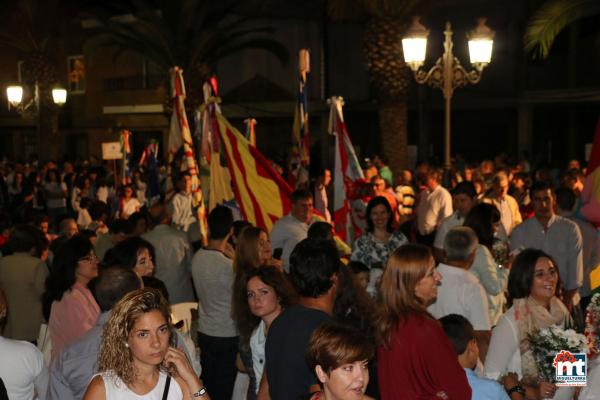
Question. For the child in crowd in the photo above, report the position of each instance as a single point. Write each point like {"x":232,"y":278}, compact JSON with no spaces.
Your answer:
{"x":460,"y":332}
{"x":361,"y":273}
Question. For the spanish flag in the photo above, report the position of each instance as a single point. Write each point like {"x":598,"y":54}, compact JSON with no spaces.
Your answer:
{"x":263,"y":196}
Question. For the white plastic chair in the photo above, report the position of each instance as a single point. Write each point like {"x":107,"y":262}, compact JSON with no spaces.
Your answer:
{"x":183,"y":312}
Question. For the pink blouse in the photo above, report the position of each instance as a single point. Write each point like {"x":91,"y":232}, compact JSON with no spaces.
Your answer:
{"x":72,"y":316}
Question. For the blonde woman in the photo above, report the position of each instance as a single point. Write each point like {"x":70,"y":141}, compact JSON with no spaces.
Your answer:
{"x":137,"y":357}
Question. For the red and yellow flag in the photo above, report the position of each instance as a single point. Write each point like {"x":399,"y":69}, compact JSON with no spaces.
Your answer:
{"x":263,"y":196}
{"x":261,"y":193}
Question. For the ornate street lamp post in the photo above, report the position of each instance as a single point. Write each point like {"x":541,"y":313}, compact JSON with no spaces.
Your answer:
{"x":46,"y":118}
{"x":14,"y":94}
{"x":447,"y":74}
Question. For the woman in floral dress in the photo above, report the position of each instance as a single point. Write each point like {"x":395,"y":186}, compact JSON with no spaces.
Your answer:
{"x":379,"y":241}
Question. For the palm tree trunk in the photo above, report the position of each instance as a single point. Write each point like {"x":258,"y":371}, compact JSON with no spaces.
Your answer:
{"x":393,"y":126}
{"x":49,"y":139}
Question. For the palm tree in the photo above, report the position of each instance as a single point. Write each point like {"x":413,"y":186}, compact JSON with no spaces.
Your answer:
{"x":551,"y":18}
{"x":191,"y":34}
{"x":386,"y":22}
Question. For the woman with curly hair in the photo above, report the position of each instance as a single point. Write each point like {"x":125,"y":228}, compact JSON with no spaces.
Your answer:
{"x":267,"y":293}
{"x":137,"y":357}
{"x":415,"y":358}
{"x":68,"y":303}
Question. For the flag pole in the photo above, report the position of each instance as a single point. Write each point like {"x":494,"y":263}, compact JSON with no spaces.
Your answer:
{"x":300,"y":152}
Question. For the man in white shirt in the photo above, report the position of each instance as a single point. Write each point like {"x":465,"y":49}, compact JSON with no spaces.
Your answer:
{"x":321,"y":201}
{"x":435,"y":204}
{"x":173,"y":255}
{"x":293,"y":228}
{"x":510,"y":216}
{"x":212,"y":273}
{"x":464,"y":196}
{"x":22,"y":369}
{"x":182,"y":211}
{"x":565,"y":201}
{"x":460,"y":291}
{"x":557,"y":236}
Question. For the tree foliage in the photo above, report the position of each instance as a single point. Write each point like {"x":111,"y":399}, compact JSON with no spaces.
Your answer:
{"x":551,"y":19}
{"x":192,"y":34}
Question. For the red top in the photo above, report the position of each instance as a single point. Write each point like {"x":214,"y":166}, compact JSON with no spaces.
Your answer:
{"x":420,"y":364}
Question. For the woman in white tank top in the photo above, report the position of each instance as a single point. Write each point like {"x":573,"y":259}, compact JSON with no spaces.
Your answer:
{"x":137,"y":360}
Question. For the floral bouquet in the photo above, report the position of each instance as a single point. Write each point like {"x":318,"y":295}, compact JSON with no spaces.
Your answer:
{"x":500,"y":252}
{"x":549,"y":342}
{"x":592,"y":326}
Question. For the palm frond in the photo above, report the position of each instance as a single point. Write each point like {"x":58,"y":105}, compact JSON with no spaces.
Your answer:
{"x":183,"y":32}
{"x":18,"y":42}
{"x":551,"y":18}
{"x":122,"y":42}
{"x":346,"y":10}
{"x":270,"y":45}
{"x":392,"y":8}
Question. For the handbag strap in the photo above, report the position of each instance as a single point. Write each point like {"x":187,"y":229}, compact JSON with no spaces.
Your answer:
{"x":167,"y":384}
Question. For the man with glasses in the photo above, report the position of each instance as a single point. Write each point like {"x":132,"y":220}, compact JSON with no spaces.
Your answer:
{"x":557,"y":236}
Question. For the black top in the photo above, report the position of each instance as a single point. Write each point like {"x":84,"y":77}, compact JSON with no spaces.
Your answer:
{"x":288,"y":375}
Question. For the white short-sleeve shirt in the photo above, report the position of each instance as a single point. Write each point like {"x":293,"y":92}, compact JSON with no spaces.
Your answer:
{"x":434,"y":206}
{"x":22,"y":369}
{"x":461,"y":293}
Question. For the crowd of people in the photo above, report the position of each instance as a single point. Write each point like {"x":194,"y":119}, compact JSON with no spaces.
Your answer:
{"x":449,"y":275}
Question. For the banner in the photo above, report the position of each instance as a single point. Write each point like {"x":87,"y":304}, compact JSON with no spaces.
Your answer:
{"x":126,"y":151}
{"x":346,"y":175}
{"x":180,"y":140}
{"x":300,"y":153}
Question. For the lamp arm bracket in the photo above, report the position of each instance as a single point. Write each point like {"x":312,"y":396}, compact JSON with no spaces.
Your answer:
{"x":27,"y":106}
{"x":461,"y":77}
{"x":434,"y":77}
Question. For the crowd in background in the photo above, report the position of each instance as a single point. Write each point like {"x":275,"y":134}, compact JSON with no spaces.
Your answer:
{"x":448,"y":275}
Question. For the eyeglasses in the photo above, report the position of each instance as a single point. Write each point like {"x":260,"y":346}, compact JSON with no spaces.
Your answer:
{"x":89,"y":258}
